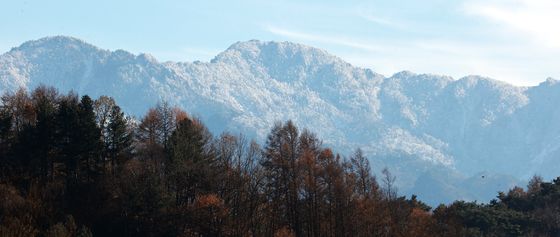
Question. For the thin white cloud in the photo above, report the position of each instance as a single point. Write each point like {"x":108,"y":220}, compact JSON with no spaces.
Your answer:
{"x":536,"y":19}
{"x":383,"y":21}
{"x":335,"y":40}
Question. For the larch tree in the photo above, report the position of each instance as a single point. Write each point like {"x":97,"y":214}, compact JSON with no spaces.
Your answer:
{"x":150,"y":140}
{"x":366,"y":184}
{"x":312,"y":190}
{"x":282,"y":172}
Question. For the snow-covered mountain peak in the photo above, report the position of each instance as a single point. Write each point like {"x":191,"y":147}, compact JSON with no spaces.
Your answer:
{"x":404,"y":74}
{"x":58,"y":43}
{"x":549,"y":82}
{"x":147,"y":58}
{"x":409,"y":122}
{"x":269,"y":53}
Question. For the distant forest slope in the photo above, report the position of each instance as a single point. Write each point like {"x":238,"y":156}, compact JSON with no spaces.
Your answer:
{"x":79,"y":166}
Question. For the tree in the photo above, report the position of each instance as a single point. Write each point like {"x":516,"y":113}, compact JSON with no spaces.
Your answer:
{"x":209,"y":215}
{"x":368,"y":214}
{"x":119,"y":138}
{"x":366,"y":184}
{"x":21,"y":109}
{"x":43,"y":140}
{"x":338,"y":193}
{"x":141,"y":200}
{"x":68,"y":136}
{"x":389,"y":189}
{"x":150,"y":140}
{"x":534,"y":185}
{"x":190,"y":165}
{"x":312,"y":190}
{"x":103,"y":108}
{"x":282,"y":172}
{"x":5,"y":141}
{"x":150,"y":128}
{"x":90,"y":140}
{"x":167,"y":117}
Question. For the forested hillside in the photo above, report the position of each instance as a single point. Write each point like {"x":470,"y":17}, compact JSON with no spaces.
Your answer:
{"x":79,"y":166}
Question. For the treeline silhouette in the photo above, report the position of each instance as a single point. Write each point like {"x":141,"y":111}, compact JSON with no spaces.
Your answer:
{"x":72,"y":166}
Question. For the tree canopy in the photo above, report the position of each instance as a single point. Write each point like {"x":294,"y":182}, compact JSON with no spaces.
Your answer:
{"x":75,"y":166}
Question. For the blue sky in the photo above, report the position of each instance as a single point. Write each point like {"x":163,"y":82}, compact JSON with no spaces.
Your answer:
{"x":517,"y":41}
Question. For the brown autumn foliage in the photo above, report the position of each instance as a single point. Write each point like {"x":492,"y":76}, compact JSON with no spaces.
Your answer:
{"x":167,"y":175}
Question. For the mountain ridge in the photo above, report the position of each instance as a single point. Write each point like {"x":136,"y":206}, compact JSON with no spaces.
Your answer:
{"x":241,"y":45}
{"x":413,"y":123}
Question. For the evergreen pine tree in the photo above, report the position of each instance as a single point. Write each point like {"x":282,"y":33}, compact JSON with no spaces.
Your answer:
{"x":68,"y":136}
{"x":190,"y":162}
{"x":90,"y":141}
{"x":119,"y":138}
{"x":40,"y":142}
{"x":5,"y":141}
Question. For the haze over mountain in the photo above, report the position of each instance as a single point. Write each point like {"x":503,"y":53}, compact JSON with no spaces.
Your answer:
{"x":444,"y":139}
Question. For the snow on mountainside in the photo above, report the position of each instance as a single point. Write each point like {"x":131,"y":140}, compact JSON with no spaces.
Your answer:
{"x":421,"y":126}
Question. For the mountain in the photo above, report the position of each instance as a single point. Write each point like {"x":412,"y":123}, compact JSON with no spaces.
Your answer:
{"x":437,"y":134}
